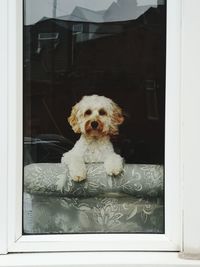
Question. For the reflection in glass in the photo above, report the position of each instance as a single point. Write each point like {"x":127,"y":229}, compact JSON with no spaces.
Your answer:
{"x":84,"y":47}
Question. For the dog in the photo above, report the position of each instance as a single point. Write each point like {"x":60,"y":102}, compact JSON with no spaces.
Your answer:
{"x":96,"y":118}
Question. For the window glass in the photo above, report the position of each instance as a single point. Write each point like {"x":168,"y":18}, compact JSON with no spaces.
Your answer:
{"x":94,"y":116}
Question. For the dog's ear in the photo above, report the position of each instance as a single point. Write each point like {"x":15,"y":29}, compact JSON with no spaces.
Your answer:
{"x":117,"y":115}
{"x":73,"y":119}
{"x":117,"y":118}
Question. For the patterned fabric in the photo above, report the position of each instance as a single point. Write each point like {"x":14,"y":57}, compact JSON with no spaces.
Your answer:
{"x":108,"y":213}
{"x":131,"y":202}
{"x":137,"y":180}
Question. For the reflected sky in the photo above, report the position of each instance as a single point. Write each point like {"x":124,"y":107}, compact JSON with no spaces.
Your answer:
{"x":37,"y":9}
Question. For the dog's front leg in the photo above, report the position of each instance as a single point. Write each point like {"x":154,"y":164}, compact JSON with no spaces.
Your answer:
{"x":76,"y":165}
{"x":113,"y":164}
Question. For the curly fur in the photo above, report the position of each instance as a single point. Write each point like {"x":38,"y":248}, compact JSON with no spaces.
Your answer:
{"x":96,"y":118}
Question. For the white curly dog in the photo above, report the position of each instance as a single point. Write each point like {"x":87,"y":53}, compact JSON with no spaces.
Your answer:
{"x":97,"y":119}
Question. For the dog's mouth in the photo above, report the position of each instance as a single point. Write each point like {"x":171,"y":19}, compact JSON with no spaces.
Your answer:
{"x":94,"y":127}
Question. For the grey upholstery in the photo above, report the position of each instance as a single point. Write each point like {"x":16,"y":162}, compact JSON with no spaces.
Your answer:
{"x":136,"y":180}
{"x":130,"y":202}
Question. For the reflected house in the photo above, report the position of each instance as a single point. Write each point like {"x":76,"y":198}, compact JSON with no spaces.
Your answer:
{"x":56,"y":36}
{"x":50,"y":43}
{"x":90,"y":52}
{"x":117,"y":11}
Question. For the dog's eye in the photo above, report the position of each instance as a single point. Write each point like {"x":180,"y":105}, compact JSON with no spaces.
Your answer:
{"x":102,"y":112}
{"x":88,"y":112}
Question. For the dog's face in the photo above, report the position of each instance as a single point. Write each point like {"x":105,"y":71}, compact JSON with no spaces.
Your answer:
{"x":96,"y":116}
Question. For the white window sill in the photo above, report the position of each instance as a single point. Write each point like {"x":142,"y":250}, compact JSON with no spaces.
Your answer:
{"x":99,"y":259}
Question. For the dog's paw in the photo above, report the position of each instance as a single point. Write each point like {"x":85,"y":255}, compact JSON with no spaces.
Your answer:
{"x":79,"y":173}
{"x":78,"y":178}
{"x":114,"y":170}
{"x":113,"y":165}
{"x":76,"y":166}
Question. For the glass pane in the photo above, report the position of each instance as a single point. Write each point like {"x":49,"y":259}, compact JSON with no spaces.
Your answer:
{"x":94,"y":116}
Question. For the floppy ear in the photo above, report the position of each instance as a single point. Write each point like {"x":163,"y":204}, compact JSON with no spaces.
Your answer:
{"x":73,"y":120}
{"x":117,"y":118}
{"x":117,"y":115}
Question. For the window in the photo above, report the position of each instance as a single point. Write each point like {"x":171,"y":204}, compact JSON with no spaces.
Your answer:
{"x":119,"y":109}
{"x":152,"y":100}
{"x":47,"y":39}
{"x":18,"y":242}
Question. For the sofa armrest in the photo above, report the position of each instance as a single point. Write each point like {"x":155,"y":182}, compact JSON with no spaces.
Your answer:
{"x":137,"y":179}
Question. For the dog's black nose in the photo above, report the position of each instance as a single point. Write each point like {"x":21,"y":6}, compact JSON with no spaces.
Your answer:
{"x":94,"y":124}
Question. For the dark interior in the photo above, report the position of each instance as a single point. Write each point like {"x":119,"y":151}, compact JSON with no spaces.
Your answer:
{"x":125,"y":61}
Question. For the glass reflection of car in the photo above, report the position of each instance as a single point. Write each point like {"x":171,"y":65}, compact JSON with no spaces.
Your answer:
{"x":45,"y":148}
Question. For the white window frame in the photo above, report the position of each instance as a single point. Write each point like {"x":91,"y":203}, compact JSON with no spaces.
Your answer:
{"x":181,"y":152}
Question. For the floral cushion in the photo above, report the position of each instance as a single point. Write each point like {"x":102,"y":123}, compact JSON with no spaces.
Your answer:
{"x":107,"y":213}
{"x":131,"y":202}
{"x":137,"y":180}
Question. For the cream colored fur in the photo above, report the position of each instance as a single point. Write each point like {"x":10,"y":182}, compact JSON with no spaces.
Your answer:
{"x":94,"y":144}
